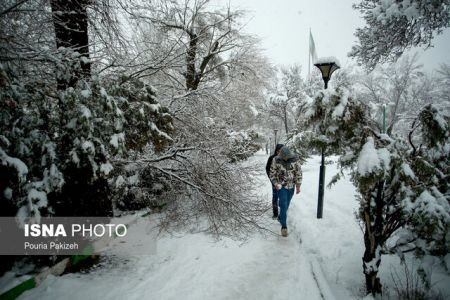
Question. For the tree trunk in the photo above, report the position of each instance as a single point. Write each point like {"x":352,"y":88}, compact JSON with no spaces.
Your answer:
{"x":71,"y":30}
{"x":371,"y":262}
{"x":373,"y":240}
{"x":191,"y":83}
{"x":285,"y":119}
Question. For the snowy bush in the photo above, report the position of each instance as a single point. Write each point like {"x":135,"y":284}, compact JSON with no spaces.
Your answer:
{"x":57,"y":148}
{"x":243,"y":144}
{"x":402,"y":180}
{"x":140,"y":187}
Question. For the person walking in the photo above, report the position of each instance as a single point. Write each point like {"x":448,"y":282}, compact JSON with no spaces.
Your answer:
{"x":286,"y":175}
{"x":274,"y":190}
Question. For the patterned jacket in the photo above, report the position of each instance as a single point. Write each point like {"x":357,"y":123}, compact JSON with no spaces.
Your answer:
{"x":288,"y":175}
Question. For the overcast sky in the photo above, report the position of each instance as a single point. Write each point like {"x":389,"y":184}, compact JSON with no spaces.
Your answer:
{"x":283,"y":26}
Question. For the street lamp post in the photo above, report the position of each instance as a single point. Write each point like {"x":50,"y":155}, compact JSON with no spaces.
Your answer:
{"x":326,"y":68}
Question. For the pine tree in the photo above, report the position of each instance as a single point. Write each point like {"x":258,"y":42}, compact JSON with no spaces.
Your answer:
{"x":403,"y":182}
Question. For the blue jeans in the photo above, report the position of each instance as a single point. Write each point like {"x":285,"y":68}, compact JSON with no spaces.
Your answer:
{"x":285,"y":196}
{"x":274,"y":201}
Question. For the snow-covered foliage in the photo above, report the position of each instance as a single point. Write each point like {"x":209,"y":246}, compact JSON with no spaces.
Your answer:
{"x":443,"y":80}
{"x":192,"y":176}
{"x":211,"y":76}
{"x":325,"y":137}
{"x":105,"y":129}
{"x":315,"y":82}
{"x":55,"y":144}
{"x":243,"y":145}
{"x":209,"y":39}
{"x":300,"y":142}
{"x":394,"y":26}
{"x":400,"y":90}
{"x":287,"y":97}
{"x":402,"y":181}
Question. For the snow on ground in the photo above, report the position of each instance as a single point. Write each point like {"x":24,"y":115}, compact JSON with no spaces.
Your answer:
{"x":321,"y":258}
{"x":335,"y":241}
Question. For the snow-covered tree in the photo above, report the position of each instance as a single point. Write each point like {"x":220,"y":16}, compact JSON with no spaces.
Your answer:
{"x":314,"y":83}
{"x":209,"y":39}
{"x":213,"y":96}
{"x":243,"y":145}
{"x":63,"y":123}
{"x":401,"y":89}
{"x":42,"y":36}
{"x":70,"y":20}
{"x":394,"y":26}
{"x":106,"y":130}
{"x":57,"y":148}
{"x":287,"y":97}
{"x":403,"y":181}
{"x":443,"y":82}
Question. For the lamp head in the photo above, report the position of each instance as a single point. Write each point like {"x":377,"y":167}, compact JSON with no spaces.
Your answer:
{"x":327,"y":69}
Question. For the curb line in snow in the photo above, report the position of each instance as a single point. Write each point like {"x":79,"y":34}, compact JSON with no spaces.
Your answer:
{"x":59,"y":268}
{"x":316,"y":270}
{"x":320,"y":279}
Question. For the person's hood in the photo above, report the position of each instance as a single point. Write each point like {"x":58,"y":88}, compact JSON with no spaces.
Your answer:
{"x":278,"y":147}
{"x":287,"y":155}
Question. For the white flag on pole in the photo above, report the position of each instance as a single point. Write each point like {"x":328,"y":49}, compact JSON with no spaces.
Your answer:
{"x":312,"y":48}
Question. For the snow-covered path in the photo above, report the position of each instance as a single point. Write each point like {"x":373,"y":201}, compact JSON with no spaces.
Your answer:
{"x":196,"y":269}
{"x":309,"y":264}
